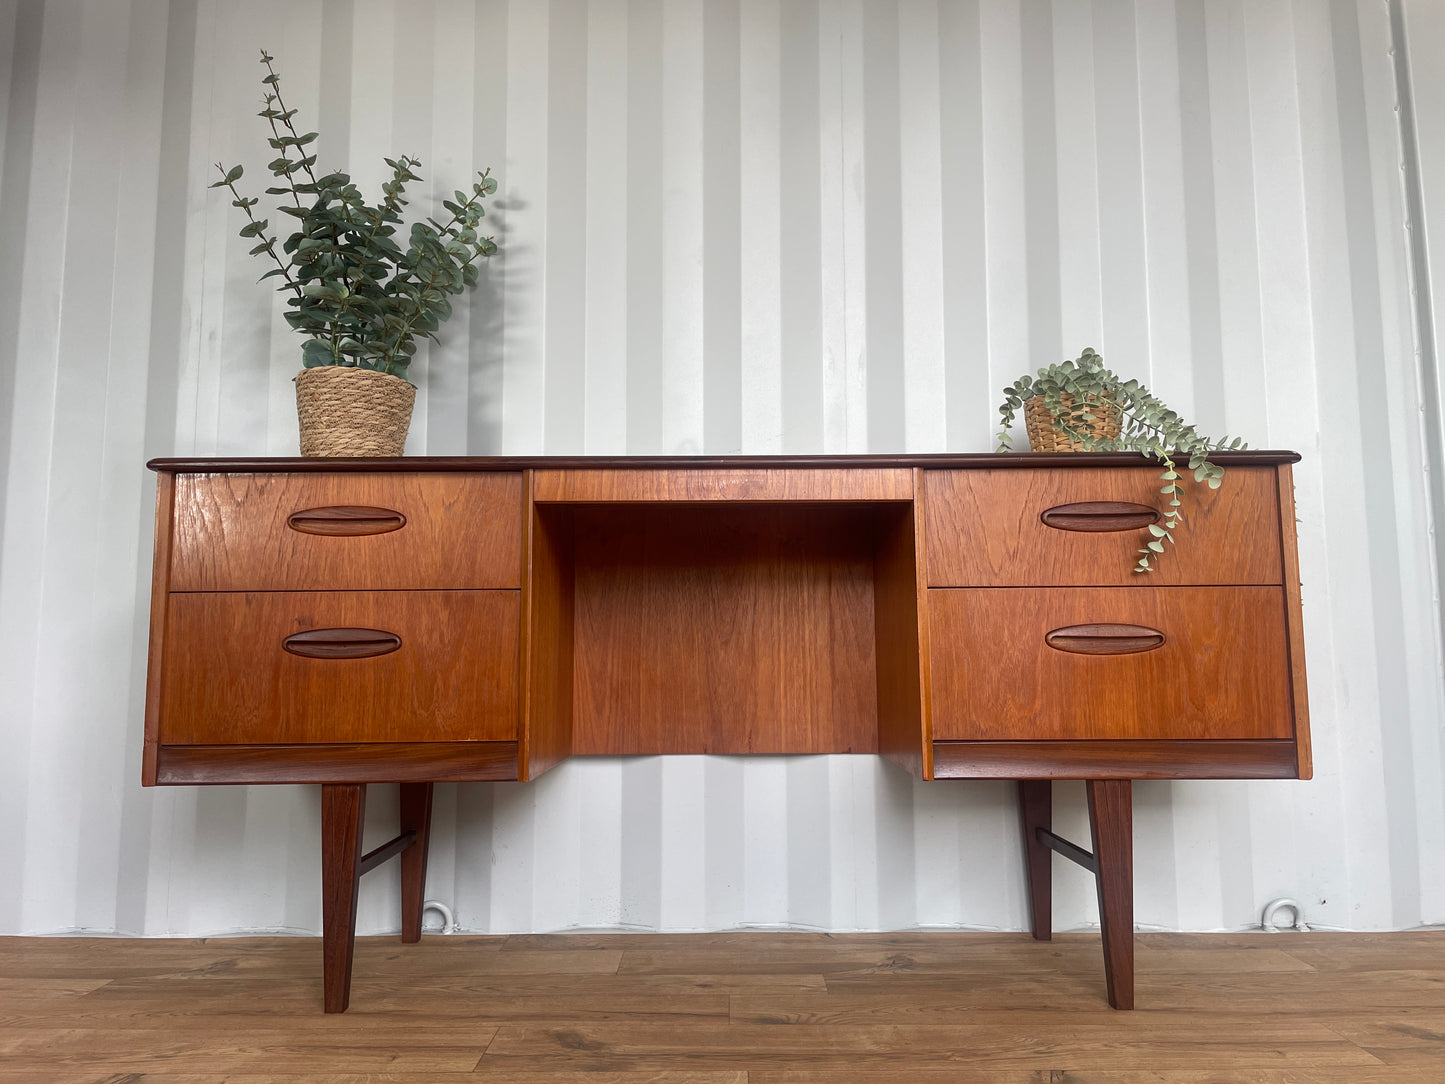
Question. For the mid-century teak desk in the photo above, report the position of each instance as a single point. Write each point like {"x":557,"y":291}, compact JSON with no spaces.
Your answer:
{"x":346,"y":622}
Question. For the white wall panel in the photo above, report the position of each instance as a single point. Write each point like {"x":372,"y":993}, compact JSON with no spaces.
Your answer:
{"x":733,"y":226}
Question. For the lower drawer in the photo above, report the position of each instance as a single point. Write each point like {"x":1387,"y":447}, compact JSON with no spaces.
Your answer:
{"x":450,"y":675}
{"x":1221,"y":670}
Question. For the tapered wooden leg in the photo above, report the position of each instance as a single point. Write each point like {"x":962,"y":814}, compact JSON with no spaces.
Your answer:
{"x":415,"y":817}
{"x":1036,"y":806}
{"x":1111,"y":819}
{"x":343,"y":809}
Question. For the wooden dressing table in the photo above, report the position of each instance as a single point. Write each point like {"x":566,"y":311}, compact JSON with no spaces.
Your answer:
{"x":346,"y":622}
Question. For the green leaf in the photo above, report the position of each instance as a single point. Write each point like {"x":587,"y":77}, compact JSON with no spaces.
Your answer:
{"x":315,"y":353}
{"x":1156,"y":530}
{"x":1156,"y":546}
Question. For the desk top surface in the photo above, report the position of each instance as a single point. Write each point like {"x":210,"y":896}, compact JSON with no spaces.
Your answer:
{"x":932,"y":461}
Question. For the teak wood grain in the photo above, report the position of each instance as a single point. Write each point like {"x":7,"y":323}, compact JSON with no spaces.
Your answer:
{"x":229,"y":681}
{"x":232,"y":532}
{"x":925,"y":623}
{"x":1036,"y":810}
{"x":1111,"y":824}
{"x":898,"y":623}
{"x":754,"y":484}
{"x":891,"y":461}
{"x":483,"y":619}
{"x":547,"y":623}
{"x":985,"y":530}
{"x":343,"y":812}
{"x":414,"y":808}
{"x":1221,"y":673}
{"x":725,"y":629}
{"x":1128,"y":758}
{"x":339,"y":762}
{"x":1294,"y":618}
{"x":160,"y":587}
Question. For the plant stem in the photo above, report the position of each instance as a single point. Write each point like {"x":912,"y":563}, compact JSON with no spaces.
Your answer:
{"x":280,"y":102}
{"x":269,"y":242}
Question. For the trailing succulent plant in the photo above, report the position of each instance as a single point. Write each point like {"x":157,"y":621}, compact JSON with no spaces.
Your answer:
{"x":358,"y":296}
{"x":1076,"y":393}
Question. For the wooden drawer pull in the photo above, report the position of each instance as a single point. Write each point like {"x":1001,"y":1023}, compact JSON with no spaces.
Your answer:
{"x":1104,"y":639}
{"x":1099,"y":516}
{"x":342,"y":643}
{"x":346,"y":520}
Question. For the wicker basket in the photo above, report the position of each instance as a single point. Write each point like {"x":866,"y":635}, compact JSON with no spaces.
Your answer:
{"x":1043,"y":437}
{"x":352,"y":412}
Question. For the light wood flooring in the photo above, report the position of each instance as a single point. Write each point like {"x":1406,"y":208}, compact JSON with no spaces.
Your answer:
{"x":737,"y":1008}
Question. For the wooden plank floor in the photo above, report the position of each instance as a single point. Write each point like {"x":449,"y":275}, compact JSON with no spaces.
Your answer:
{"x":736,"y":1008}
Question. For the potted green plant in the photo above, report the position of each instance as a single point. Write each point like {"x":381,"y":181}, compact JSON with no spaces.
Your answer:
{"x":1081,"y":406}
{"x":358,"y":297}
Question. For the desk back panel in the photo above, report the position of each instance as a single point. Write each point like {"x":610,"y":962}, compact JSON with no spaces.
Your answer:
{"x":725,"y":628}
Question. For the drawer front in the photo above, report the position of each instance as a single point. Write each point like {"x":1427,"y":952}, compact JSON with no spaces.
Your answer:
{"x":1221,"y":671}
{"x":240,"y":668}
{"x":347,"y":532}
{"x":986,"y":528}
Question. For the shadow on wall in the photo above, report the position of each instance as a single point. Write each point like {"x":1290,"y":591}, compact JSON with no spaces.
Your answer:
{"x":486,"y":326}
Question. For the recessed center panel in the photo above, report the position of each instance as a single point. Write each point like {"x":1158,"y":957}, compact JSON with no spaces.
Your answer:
{"x":725,"y":628}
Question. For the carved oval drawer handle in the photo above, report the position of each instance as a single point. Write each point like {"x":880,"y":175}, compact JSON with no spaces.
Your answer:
{"x":346,"y":520}
{"x":1099,"y":516}
{"x":1104,"y":639}
{"x":342,"y":643}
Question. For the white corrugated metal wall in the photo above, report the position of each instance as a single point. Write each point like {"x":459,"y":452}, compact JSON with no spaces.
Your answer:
{"x":731,"y":226}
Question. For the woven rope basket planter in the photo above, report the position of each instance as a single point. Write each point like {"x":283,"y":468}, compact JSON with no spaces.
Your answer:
{"x":1043,"y":437}
{"x":352,"y":412}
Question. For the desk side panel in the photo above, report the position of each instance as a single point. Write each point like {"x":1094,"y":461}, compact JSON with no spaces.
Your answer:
{"x":547,"y":623}
{"x":1294,"y":619}
{"x":160,"y":589}
{"x":898,"y":624}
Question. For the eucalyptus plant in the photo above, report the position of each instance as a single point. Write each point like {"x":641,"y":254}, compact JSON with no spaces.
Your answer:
{"x":1084,"y":390}
{"x":357,"y":295}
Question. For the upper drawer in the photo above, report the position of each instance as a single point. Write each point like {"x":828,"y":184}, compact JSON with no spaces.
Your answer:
{"x":344,"y":531}
{"x":986,"y":528}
